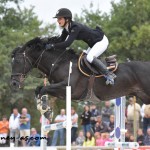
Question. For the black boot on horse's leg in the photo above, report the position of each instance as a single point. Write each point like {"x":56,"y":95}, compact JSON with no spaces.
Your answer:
{"x":110,"y":76}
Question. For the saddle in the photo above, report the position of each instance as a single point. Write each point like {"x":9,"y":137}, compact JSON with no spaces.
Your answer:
{"x":88,"y":69}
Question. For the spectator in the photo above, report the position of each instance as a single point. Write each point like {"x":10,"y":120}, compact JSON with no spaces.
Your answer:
{"x":59,"y":132}
{"x":106,"y":137}
{"x":100,"y":125}
{"x":4,"y":129}
{"x":80,"y":139}
{"x":14,"y":126}
{"x":94,"y":113}
{"x":127,"y":136}
{"x":98,"y":139}
{"x":25,"y":119}
{"x":74,"y":119}
{"x":145,"y":113}
{"x":140,"y":137}
{"x":130,"y":114}
{"x":34,"y":138}
{"x":131,"y":138}
{"x":89,"y":139}
{"x":111,"y":123}
{"x":85,"y":116}
{"x":106,"y":112}
{"x":147,"y":138}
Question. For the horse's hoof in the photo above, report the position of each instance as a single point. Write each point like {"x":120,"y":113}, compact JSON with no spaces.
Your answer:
{"x":44,"y":99}
{"x":48,"y":115}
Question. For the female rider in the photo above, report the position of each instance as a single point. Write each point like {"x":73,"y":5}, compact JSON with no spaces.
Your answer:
{"x":95,"y":38}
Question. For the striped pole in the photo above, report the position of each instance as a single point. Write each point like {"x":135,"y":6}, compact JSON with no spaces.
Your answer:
{"x":117,"y":119}
{"x":119,"y":135}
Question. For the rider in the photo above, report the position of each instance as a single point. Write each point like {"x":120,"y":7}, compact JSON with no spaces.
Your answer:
{"x":95,"y":38}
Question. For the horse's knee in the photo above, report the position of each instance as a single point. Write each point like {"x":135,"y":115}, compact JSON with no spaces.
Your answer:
{"x":38,"y":89}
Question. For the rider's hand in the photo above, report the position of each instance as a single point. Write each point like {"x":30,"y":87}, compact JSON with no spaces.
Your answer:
{"x":49,"y":46}
{"x":85,"y":51}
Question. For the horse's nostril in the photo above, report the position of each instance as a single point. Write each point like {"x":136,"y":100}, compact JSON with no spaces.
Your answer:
{"x":14,"y":84}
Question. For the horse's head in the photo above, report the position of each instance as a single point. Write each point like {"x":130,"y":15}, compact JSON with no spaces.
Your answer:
{"x":21,"y":65}
{"x":26,"y":58}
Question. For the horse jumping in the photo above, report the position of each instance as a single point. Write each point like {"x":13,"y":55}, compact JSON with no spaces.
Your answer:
{"x":133,"y":78}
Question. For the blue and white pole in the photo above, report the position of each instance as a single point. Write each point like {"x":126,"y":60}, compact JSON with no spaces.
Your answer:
{"x":120,"y":119}
{"x":119,"y":128}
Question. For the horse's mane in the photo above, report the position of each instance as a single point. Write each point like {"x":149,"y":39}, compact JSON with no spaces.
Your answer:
{"x":39,"y":43}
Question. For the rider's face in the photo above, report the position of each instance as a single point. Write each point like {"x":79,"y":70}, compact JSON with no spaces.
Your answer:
{"x":61,"y":21}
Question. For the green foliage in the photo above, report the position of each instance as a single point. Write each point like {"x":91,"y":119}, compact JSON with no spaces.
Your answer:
{"x":127,"y":28}
{"x":17,"y":26}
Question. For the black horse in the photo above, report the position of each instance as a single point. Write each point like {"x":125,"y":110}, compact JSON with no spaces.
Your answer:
{"x":133,"y":78}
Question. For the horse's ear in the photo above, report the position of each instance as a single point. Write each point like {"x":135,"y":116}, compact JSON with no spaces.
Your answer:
{"x":45,"y":40}
{"x":17,"y":49}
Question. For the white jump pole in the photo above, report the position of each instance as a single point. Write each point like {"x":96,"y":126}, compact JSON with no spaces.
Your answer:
{"x":43,"y":144}
{"x":54,"y":126}
{"x":68,"y":108}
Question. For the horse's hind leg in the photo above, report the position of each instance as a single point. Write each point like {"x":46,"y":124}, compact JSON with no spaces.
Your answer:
{"x":144,"y":97}
{"x":144,"y":89}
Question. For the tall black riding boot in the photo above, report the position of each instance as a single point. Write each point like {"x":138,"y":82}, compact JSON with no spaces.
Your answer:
{"x":110,"y":76}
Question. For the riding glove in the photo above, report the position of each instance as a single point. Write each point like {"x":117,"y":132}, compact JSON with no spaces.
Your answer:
{"x":49,"y":46}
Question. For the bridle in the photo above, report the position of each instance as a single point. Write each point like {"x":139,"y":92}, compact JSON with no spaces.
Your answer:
{"x":27,"y":60}
{"x":23,"y":75}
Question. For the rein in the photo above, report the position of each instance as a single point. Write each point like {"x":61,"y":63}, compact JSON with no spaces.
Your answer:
{"x":37,"y":63}
{"x":56,"y":61}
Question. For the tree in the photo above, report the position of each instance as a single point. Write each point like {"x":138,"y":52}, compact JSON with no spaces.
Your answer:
{"x":127,"y":27}
{"x":17,"y":26}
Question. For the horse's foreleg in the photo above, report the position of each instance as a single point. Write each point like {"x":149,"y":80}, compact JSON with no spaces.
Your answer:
{"x":43,"y":107}
{"x":56,"y":89}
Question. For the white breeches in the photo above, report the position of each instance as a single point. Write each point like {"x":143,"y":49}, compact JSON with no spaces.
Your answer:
{"x":97,"y":49}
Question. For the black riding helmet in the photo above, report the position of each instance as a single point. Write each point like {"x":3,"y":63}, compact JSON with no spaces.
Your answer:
{"x":64,"y":12}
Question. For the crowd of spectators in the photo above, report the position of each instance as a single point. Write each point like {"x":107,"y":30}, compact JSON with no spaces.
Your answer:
{"x":92,"y":127}
{"x":16,"y":130}
{"x":98,"y":125}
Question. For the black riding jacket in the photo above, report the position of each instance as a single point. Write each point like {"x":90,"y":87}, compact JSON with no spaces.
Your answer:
{"x":78,"y":31}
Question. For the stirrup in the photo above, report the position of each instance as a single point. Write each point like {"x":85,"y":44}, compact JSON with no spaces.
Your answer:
{"x":110,"y":78}
{"x":110,"y":81}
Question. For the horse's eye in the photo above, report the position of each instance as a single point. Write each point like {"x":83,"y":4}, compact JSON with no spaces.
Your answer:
{"x":16,"y":60}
